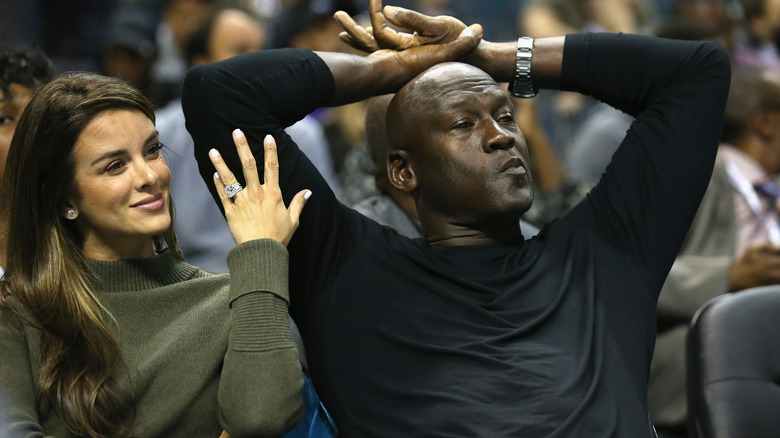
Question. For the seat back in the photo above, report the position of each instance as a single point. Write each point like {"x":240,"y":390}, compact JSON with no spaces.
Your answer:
{"x":734,"y":366}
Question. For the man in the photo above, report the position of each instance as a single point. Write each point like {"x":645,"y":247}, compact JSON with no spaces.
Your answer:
{"x":475,"y":331}
{"x":22,"y":71}
{"x":762,"y":24}
{"x":204,"y":237}
{"x":393,"y":207}
{"x":734,"y":242}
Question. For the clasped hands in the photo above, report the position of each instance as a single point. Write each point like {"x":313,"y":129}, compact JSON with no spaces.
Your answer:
{"x":425,"y":30}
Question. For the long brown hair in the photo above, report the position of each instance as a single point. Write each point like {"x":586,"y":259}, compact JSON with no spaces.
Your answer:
{"x":45,"y":268}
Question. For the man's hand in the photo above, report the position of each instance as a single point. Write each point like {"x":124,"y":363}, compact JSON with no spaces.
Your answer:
{"x":425,"y":30}
{"x":759,"y":266}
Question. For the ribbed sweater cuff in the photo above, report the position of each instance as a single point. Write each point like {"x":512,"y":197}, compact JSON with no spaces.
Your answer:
{"x":260,"y":323}
{"x":258,"y":265}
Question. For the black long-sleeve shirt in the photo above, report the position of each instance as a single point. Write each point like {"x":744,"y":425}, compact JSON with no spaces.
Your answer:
{"x":550,"y":337}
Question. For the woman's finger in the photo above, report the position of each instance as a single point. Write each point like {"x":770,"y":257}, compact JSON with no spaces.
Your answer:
{"x":296,"y":206}
{"x":225,"y":174}
{"x":248,"y":162}
{"x":226,"y":202}
{"x":271,"y":163}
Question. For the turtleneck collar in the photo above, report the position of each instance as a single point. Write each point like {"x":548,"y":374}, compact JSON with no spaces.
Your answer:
{"x":140,"y":274}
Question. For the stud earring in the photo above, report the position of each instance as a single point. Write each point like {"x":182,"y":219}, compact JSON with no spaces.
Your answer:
{"x":71,"y":213}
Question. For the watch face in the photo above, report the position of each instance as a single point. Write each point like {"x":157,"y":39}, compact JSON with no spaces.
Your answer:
{"x":525,"y":43}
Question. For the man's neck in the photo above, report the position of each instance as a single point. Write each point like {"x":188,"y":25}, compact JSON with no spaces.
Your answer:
{"x":450,"y":233}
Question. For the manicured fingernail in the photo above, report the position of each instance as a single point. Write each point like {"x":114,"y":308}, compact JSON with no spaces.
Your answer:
{"x":269,"y":139}
{"x":213,"y":152}
{"x":237,"y":133}
{"x":216,"y":175}
{"x":307,"y":195}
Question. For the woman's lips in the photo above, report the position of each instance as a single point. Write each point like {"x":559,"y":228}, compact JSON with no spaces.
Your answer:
{"x":155,"y":202}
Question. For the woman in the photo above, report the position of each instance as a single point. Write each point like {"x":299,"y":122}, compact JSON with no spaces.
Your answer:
{"x":106,"y":331}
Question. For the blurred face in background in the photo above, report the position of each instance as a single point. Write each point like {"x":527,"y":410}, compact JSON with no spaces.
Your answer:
{"x":234,"y":33}
{"x":12,"y":104}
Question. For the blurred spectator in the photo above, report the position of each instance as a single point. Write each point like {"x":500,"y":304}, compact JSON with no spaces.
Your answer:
{"x":204,"y":237}
{"x":309,"y":24}
{"x":733,"y":243}
{"x":22,"y":71}
{"x":716,"y":17}
{"x":545,"y":18}
{"x":756,"y":48}
{"x":179,"y":20}
{"x":129,"y":49}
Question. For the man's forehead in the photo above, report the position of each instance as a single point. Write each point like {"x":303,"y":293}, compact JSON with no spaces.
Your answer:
{"x":452,"y":85}
{"x":454,"y":75}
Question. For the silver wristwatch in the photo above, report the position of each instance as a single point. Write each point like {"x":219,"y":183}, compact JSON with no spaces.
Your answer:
{"x":522,"y":86}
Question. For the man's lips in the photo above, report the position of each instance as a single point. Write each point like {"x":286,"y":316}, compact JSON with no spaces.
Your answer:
{"x":153,"y":202}
{"x":513,"y":165}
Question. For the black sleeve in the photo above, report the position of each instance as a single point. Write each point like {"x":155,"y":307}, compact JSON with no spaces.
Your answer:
{"x":649,"y":194}
{"x":262,"y":93}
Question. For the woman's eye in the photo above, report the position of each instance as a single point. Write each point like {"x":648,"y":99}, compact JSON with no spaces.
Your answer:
{"x":115,"y":166}
{"x":6,"y":120}
{"x":154,"y":149}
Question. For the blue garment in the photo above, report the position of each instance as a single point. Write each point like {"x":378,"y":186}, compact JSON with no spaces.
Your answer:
{"x":316,"y":421}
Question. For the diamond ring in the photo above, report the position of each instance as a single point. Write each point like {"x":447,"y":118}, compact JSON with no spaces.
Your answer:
{"x":232,"y":189}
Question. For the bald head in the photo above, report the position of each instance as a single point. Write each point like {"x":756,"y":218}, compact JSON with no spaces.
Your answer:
{"x":424,"y":96}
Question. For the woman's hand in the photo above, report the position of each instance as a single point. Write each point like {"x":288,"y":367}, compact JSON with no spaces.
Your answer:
{"x":257,"y":211}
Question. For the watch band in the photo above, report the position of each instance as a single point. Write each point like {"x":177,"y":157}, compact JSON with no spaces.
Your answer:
{"x":522,"y":85}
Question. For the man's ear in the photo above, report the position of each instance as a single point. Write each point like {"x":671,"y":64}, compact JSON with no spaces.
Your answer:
{"x":400,"y":171}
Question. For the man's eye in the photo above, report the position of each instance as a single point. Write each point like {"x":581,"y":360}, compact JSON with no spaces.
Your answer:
{"x":462,"y":125}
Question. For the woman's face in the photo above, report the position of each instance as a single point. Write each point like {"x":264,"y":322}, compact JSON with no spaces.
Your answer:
{"x":121,"y":190}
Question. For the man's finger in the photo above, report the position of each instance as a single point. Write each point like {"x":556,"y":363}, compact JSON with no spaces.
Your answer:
{"x":382,"y":35}
{"x":414,"y":21}
{"x":467,"y":41}
{"x":354,"y":34}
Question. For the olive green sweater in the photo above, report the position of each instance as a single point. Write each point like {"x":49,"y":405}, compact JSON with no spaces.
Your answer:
{"x":201,"y":352}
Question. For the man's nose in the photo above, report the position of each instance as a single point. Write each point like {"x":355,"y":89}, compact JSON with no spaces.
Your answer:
{"x":497,"y":137}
